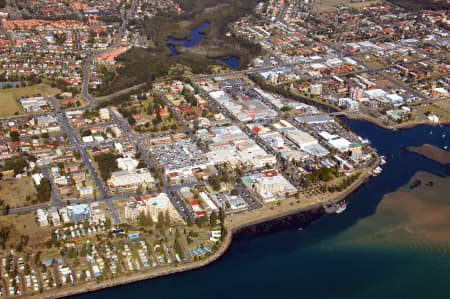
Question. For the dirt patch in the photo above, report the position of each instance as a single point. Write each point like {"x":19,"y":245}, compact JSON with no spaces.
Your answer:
{"x":431,"y":152}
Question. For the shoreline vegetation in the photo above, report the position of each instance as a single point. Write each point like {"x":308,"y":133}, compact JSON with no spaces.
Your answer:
{"x":311,"y":212}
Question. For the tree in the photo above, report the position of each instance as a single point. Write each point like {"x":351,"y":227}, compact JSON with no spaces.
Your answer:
{"x":5,"y":210}
{"x":14,"y":136}
{"x":178,"y":249}
{"x":222,"y":215}
{"x":167,"y":218}
{"x":161,"y":220}
{"x":213,"y":219}
{"x":4,"y":236}
{"x":83,"y":276}
{"x":139,"y":190}
{"x":214,"y":181}
{"x":202,"y":221}
{"x":144,"y":220}
{"x":44,"y":190}
{"x":107,"y":164}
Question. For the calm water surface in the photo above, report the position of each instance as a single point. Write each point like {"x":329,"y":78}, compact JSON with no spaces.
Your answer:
{"x":320,"y":261}
{"x":193,"y":39}
{"x":232,"y":61}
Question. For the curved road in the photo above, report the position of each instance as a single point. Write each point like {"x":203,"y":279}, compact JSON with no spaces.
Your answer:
{"x":87,"y":63}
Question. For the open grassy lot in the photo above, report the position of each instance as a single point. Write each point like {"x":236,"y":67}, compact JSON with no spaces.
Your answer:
{"x":17,"y":192}
{"x":25,"y":224}
{"x":445,"y":105}
{"x":326,"y":5}
{"x":8,"y":97}
{"x":440,"y":109}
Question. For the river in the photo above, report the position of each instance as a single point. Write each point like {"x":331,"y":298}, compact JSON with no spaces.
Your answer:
{"x":325,"y":260}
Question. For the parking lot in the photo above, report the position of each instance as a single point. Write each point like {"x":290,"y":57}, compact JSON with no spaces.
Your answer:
{"x":180,"y":154}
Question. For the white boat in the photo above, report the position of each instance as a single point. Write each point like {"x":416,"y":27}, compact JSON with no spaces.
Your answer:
{"x":382,"y":160}
{"x":341,"y":208}
{"x":377,"y":171}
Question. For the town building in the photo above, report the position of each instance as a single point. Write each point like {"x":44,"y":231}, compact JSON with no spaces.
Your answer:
{"x":269,"y":185}
{"x":125,"y":181}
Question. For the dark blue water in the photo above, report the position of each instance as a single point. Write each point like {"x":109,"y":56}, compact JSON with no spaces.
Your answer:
{"x":231,"y":61}
{"x":312,"y":263}
{"x":193,"y":39}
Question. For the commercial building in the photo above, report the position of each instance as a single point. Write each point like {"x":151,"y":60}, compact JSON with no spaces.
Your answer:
{"x":374,"y":93}
{"x":80,"y":212}
{"x":104,"y":114}
{"x":278,"y":141}
{"x":269,"y":185}
{"x":42,"y":217}
{"x":125,"y":181}
{"x":232,"y":146}
{"x":244,"y":108}
{"x":35,"y":104}
{"x":300,"y":138}
{"x":314,"y":119}
{"x":151,"y":206}
{"x":127,"y":164}
{"x":210,"y":205}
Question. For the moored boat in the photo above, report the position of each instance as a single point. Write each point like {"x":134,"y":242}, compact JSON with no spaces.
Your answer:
{"x":377,"y":171}
{"x":341,"y":208}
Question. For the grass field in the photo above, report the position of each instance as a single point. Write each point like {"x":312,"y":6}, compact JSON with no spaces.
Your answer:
{"x":15,"y":191}
{"x":445,"y":105}
{"x":326,"y":5}
{"x":441,"y":109}
{"x":8,"y":97}
{"x":25,"y":224}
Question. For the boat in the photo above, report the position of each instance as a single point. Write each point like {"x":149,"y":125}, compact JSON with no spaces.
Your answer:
{"x":431,"y":132}
{"x":341,"y":208}
{"x":377,"y":171}
{"x":443,"y":135}
{"x":445,"y":147}
{"x":382,"y":160}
